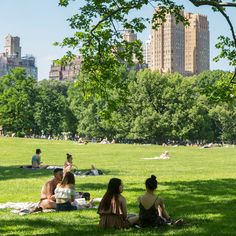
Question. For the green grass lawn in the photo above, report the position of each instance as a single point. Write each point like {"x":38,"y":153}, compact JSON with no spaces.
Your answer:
{"x":198,"y":185}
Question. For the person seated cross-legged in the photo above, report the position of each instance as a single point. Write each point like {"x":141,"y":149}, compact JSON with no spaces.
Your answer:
{"x":48,"y":200}
{"x":152,"y":209}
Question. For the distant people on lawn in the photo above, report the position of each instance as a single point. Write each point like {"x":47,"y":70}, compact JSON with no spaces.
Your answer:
{"x":165,"y":155}
{"x":48,"y":200}
{"x":113,"y":209}
{"x":65,"y":193}
{"x":68,"y":165}
{"x":104,"y":141}
{"x":93,"y":172}
{"x":36,"y":159}
{"x":152,"y":212}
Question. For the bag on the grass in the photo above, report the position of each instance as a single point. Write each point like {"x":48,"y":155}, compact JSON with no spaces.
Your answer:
{"x":85,"y":195}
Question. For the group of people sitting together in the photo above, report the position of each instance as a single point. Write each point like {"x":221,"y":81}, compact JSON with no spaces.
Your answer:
{"x":69,"y":166}
{"x":59,"y":193}
{"x":152,"y":213}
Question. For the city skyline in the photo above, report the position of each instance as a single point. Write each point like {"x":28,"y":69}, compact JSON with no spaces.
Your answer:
{"x":40,"y":24}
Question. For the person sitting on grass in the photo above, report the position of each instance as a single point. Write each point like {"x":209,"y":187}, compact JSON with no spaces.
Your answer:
{"x":68,"y":165}
{"x":165,"y":155}
{"x":36,"y":159}
{"x":113,"y":209}
{"x":65,"y":193}
{"x":48,"y":200}
{"x":152,"y":212}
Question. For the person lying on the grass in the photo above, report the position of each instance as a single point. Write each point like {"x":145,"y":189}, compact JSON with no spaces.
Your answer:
{"x":68,"y":165}
{"x":152,"y":210}
{"x":113,"y":209}
{"x":93,"y":172}
{"x":36,"y":159}
{"x":65,"y":193}
{"x":48,"y":200}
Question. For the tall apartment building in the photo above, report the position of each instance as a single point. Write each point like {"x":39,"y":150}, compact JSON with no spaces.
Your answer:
{"x":175,"y":48}
{"x":197,"y":48}
{"x":68,"y":72}
{"x":12,"y":58}
{"x":167,"y":47}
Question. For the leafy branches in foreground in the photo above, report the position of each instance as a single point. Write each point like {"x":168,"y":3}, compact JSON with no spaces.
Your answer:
{"x":99,"y":27}
{"x":98,"y":37}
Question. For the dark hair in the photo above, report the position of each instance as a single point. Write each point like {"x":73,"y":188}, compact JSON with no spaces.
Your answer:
{"x":113,"y":190}
{"x":57,"y":170}
{"x":151,"y":183}
{"x":68,"y":156}
{"x":69,"y":178}
{"x":38,"y":151}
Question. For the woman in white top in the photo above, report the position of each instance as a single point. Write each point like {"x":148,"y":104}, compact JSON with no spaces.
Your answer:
{"x":65,"y":193}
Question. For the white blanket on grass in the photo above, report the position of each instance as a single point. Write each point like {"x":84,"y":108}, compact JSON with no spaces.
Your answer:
{"x":156,"y":158}
{"x":24,"y":208}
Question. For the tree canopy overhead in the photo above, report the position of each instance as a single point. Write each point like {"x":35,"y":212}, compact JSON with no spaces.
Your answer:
{"x":98,"y":33}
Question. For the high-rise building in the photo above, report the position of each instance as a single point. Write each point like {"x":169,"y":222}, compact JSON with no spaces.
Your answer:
{"x":167,"y":47}
{"x":68,"y":72}
{"x":147,"y":52}
{"x":175,"y":48}
{"x":129,"y":35}
{"x":11,"y":58}
{"x":197,"y":52}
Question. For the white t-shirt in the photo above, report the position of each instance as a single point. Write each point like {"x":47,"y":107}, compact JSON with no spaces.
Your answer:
{"x":64,"y":194}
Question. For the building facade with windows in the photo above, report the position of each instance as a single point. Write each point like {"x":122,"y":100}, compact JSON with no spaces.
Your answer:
{"x":68,"y":72}
{"x":175,"y":48}
{"x":11,"y":58}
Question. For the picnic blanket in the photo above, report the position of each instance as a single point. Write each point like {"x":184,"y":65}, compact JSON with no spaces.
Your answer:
{"x":156,"y":158}
{"x":24,"y":208}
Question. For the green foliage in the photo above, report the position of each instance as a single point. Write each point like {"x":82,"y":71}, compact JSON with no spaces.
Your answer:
{"x":224,"y":116}
{"x":98,"y":36}
{"x":51,"y":107}
{"x":216,"y":86}
{"x":155,"y":108}
{"x":17,"y":99}
{"x":145,"y":106}
{"x":227,"y":50}
{"x":99,"y":26}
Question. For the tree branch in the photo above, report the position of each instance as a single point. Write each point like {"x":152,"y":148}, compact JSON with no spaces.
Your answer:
{"x":219,"y":6}
{"x":212,"y":3}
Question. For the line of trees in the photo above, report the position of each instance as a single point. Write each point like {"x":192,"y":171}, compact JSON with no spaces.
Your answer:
{"x":147,"y":106}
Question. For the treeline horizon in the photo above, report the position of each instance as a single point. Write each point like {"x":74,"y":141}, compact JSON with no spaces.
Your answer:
{"x":145,"y":107}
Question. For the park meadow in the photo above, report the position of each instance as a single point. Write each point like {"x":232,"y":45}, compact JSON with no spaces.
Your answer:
{"x":197,"y":185}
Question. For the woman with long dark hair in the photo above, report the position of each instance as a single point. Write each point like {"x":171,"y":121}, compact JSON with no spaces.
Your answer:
{"x":113,"y":208}
{"x":65,"y":193}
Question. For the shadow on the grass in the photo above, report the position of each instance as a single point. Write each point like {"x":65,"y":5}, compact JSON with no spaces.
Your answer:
{"x":15,"y":172}
{"x":207,"y":206}
{"x":55,"y":227}
{"x":92,"y":186}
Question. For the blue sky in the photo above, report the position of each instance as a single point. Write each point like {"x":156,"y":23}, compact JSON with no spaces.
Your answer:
{"x":40,"y":23}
